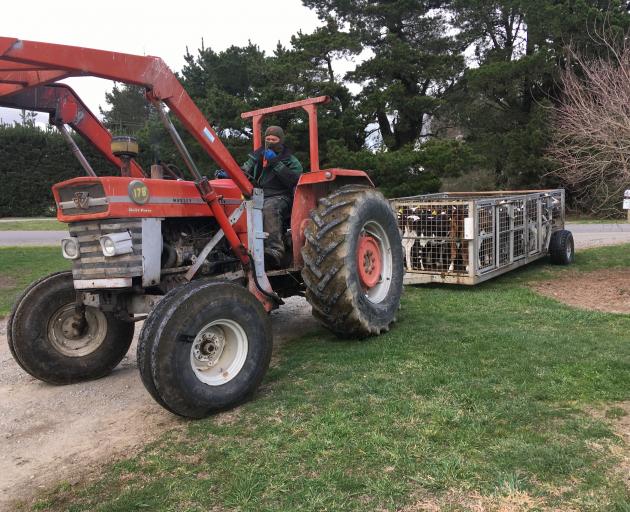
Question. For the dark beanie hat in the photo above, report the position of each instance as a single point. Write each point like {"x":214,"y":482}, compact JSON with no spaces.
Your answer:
{"x":277,"y":131}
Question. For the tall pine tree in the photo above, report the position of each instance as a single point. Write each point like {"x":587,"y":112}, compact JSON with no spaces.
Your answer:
{"x":411,"y":61}
{"x":516,"y":49}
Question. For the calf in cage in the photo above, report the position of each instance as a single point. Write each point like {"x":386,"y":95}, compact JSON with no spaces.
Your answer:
{"x":486,"y":250}
{"x":542,"y":235}
{"x":433,"y":238}
{"x":459,"y":248}
{"x":409,"y":218}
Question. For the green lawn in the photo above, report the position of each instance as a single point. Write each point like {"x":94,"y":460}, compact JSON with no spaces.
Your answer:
{"x":33,"y":225}
{"x":20,"y":266}
{"x":477,"y":396}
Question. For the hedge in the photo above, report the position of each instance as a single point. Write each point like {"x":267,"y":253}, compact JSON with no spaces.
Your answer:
{"x":31,"y":161}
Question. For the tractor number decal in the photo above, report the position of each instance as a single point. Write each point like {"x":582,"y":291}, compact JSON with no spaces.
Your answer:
{"x":138,"y":192}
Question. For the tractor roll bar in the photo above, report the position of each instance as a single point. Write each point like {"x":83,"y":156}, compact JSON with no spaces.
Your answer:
{"x":310,"y":105}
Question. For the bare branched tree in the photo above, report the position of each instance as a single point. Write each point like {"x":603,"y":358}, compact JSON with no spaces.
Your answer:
{"x":591,"y":136}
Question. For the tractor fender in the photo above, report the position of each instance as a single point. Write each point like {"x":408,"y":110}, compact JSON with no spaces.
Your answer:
{"x":311,"y":187}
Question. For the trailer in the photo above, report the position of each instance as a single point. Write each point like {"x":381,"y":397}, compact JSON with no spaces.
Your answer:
{"x":470,"y":237}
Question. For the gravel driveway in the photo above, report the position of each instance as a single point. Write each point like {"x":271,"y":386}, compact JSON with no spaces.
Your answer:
{"x":12,"y":238}
{"x":54,"y":433}
{"x":586,"y":235}
{"x":592,"y":235}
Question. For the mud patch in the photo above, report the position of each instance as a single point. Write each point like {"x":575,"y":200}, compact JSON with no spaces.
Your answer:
{"x":617,"y":415}
{"x":601,"y":290}
{"x":7,"y":282}
{"x":512,"y":501}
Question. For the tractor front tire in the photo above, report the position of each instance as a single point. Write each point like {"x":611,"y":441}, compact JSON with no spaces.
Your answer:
{"x":10,"y":321}
{"x":205,"y":348}
{"x":45,"y":344}
{"x":353,"y":262}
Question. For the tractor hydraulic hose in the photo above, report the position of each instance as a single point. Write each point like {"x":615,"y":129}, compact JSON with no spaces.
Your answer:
{"x":212,"y":200}
{"x":179,"y":143}
{"x":75,"y":150}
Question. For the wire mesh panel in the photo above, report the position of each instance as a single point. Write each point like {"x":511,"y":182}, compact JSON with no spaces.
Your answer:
{"x":532,"y":225}
{"x":519,"y":229}
{"x":475,"y":235}
{"x":504,"y":249}
{"x":485,"y":233}
{"x":557,"y":209}
{"x":433,"y":236}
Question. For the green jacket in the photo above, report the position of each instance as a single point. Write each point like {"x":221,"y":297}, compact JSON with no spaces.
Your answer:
{"x":279,"y":177}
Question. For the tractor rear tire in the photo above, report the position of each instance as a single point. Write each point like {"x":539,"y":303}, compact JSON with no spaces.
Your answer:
{"x":353,"y":262}
{"x":205,"y":348}
{"x":562,"y":248}
{"x":44,"y":345}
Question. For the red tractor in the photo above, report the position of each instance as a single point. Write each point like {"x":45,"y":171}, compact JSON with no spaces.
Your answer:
{"x":187,"y":256}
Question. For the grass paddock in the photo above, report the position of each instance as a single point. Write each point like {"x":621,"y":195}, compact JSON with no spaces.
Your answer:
{"x":20,"y":266}
{"x":477,"y":395}
{"x":32,"y":225}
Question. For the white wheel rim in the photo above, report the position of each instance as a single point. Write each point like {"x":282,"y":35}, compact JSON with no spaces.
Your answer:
{"x":218,"y":352}
{"x":377,"y":293}
{"x":67,"y":340}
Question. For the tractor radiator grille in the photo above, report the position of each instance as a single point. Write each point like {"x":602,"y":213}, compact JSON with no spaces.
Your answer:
{"x":91,"y":264}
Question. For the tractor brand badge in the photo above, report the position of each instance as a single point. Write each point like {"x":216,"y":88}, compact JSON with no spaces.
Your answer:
{"x":138,"y":192}
{"x":81,"y":200}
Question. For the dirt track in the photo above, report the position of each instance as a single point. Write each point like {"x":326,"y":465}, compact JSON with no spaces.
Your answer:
{"x":52,"y":433}
{"x":602,"y":290}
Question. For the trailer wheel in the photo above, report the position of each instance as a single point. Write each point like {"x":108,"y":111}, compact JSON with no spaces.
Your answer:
{"x":205,"y":348}
{"x":562,"y":248}
{"x":47,"y":345}
{"x":353,"y":262}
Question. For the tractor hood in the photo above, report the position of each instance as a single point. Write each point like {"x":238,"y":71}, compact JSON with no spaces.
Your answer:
{"x":88,"y":198}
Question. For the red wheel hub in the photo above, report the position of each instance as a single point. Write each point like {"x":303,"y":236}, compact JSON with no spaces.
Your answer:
{"x":369,"y":261}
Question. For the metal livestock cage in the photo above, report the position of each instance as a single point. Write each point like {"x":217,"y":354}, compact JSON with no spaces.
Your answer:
{"x":469,"y":237}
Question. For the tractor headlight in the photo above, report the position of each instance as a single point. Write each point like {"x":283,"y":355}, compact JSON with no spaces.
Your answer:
{"x":114,"y":244}
{"x":70,"y":248}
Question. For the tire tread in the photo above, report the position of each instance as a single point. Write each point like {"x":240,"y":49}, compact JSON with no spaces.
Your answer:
{"x":325,"y":273}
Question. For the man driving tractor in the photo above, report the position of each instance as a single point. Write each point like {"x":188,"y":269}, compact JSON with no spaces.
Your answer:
{"x":274,"y":169}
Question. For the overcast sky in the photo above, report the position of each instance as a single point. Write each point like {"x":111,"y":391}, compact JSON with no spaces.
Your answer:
{"x":159,"y":28}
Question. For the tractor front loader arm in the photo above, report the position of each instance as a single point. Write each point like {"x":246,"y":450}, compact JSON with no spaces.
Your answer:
{"x":65,"y":107}
{"x":49,"y":61}
{"x":27,"y":64}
